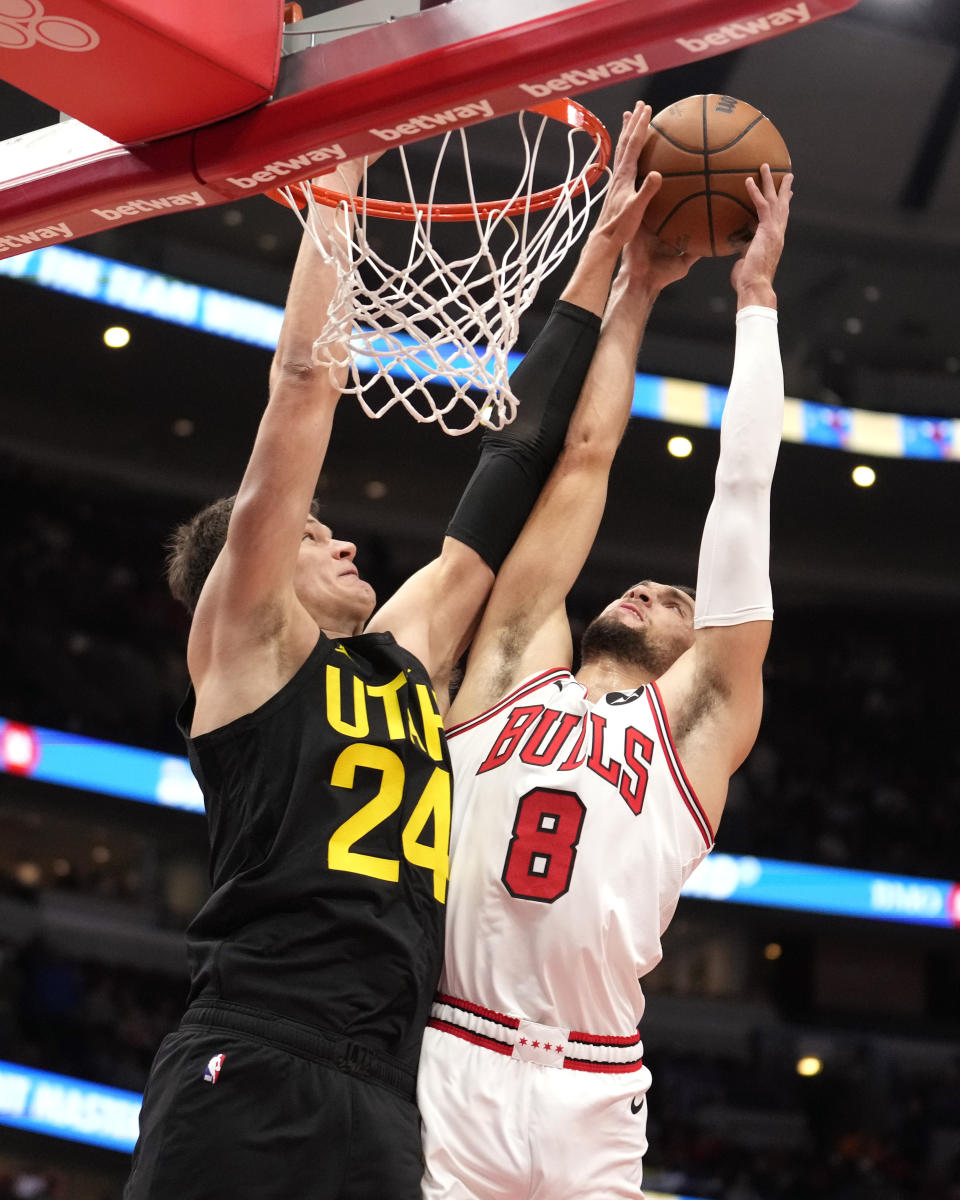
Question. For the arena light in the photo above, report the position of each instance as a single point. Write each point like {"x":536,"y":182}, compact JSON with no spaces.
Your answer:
{"x":113,"y":770}
{"x":116,"y":337}
{"x":840,"y":891}
{"x":133,"y":289}
{"x":863,"y":476}
{"x":163,"y":779}
{"x":19,"y":748}
{"x":809,"y":1066}
{"x":680,"y":447}
{"x":658,"y":398}
{"x":62,"y":1107}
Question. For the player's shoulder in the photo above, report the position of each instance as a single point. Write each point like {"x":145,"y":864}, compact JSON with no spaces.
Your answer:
{"x":531,"y":690}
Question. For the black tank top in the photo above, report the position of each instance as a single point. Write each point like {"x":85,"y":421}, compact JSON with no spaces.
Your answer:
{"x":329,"y":818}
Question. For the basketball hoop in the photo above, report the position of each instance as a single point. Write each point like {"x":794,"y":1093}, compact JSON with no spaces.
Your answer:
{"x":432,"y":330}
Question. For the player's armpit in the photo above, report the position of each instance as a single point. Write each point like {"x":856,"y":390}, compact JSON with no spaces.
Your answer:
{"x":435,"y":613}
{"x":713,"y":695}
{"x":510,"y":654}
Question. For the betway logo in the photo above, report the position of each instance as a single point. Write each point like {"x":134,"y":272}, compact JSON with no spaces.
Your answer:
{"x":133,"y":208}
{"x":631,"y":64}
{"x":740,"y":31}
{"x":23,"y":241}
{"x":429,"y":122}
{"x":270,"y":172}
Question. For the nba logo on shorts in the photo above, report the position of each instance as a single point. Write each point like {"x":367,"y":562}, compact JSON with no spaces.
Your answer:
{"x":212,"y":1073}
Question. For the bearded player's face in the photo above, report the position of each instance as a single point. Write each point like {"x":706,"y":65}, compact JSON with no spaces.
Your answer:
{"x":648,"y":627}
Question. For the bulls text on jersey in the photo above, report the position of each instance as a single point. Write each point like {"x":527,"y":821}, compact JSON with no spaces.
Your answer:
{"x":541,"y":736}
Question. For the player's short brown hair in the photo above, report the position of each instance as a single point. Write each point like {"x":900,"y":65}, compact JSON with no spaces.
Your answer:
{"x":194,"y":546}
{"x":193,"y":549}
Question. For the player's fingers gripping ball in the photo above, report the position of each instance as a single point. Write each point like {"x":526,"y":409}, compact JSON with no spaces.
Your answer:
{"x":706,"y":147}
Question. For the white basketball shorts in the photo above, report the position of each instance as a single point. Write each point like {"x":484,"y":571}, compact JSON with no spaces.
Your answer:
{"x":516,"y":1123}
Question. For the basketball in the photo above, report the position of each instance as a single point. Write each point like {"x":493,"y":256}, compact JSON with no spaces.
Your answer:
{"x":706,"y":147}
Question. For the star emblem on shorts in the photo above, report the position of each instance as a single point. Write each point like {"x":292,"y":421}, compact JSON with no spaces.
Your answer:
{"x":536,"y":1045}
{"x":523,"y":1041}
{"x":559,"y":1049}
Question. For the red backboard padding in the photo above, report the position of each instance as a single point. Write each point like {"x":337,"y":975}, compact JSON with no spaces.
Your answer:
{"x":142,"y":69}
{"x":454,"y":65}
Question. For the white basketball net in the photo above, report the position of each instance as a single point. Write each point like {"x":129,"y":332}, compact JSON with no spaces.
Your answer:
{"x":434,"y":335}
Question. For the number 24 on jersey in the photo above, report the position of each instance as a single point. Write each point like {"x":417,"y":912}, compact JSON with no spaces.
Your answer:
{"x":434,"y":801}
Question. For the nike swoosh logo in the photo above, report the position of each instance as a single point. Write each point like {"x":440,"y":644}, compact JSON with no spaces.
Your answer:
{"x":634,"y":1106}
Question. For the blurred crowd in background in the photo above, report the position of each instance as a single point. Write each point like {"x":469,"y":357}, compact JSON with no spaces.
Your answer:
{"x":725,"y":1125}
{"x":857,"y":766}
{"x":857,"y":763}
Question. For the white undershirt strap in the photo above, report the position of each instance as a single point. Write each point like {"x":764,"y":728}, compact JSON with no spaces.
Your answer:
{"x":733,"y":578}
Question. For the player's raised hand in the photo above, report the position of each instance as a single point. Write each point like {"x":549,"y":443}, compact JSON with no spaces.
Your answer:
{"x":648,"y":260}
{"x":625,"y":202}
{"x":753,"y":272}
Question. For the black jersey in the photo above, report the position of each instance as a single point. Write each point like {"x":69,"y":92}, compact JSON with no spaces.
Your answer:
{"x":329,"y":817}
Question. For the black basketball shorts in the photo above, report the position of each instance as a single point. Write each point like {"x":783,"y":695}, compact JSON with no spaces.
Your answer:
{"x":239,"y":1105}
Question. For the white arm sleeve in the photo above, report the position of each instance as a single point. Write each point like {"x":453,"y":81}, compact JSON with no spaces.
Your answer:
{"x":733,"y":578}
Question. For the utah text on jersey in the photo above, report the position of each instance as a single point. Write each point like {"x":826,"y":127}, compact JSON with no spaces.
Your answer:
{"x":402,"y":709}
{"x":385,"y":699}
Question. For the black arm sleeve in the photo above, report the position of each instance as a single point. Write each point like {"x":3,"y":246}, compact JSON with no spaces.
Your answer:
{"x":515,"y":462}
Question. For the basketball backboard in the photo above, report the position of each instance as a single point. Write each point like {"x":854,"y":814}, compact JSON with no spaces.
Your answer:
{"x":136,"y":70}
{"x":390,"y":82}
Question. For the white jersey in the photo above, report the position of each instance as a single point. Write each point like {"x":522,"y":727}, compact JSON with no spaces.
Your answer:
{"x":574,"y":829}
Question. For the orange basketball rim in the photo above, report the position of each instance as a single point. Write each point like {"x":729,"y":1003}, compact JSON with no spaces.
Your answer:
{"x":568,"y":111}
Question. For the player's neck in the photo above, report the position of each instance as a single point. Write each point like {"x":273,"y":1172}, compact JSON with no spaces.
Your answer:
{"x":607,"y":674}
{"x":335,"y":630}
{"x":336,"y":625}
{"x":338,"y":620}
